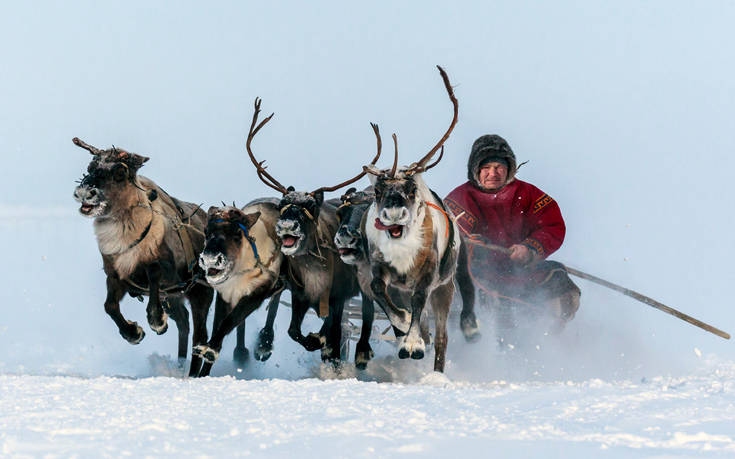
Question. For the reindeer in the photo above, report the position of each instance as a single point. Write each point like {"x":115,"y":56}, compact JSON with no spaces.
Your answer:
{"x":242,"y":261}
{"x":414,"y":246}
{"x":353,"y":249}
{"x":315,"y":275}
{"x":148,"y":241}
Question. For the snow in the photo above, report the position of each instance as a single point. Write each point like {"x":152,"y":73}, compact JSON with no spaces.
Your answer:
{"x":163,"y":416}
{"x":618,"y":107}
{"x":70,"y":386}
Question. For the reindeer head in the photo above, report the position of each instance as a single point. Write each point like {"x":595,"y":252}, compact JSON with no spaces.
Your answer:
{"x":227,"y":245}
{"x":110,"y":175}
{"x":397,"y":189}
{"x":348,"y":239}
{"x":297,"y":226}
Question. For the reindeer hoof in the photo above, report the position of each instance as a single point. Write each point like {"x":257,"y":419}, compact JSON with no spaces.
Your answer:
{"x":264,"y":349}
{"x":159,"y":328}
{"x":418,"y":354}
{"x":362,"y":357}
{"x":262,"y":354}
{"x":205,"y":352}
{"x":240,"y":355}
{"x":134,"y":334}
{"x":313,"y":341}
{"x":329,"y":353}
{"x":470,"y":330}
{"x":413,"y":348}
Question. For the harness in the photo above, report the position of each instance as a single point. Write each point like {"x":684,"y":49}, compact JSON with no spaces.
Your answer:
{"x":180,"y":224}
{"x":250,"y":239}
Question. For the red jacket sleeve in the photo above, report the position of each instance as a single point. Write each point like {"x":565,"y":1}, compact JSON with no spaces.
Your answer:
{"x":462,"y":208}
{"x":546,"y":227}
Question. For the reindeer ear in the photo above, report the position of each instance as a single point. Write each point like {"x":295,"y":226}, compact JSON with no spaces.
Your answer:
{"x":319,"y":197}
{"x":249,"y":219}
{"x":137,"y":161}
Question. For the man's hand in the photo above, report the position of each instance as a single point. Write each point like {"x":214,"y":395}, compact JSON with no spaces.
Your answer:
{"x":521,"y":254}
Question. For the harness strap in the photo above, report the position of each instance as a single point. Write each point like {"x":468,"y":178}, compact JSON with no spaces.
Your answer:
{"x":143,"y":234}
{"x":250,"y":239}
{"x":446,"y":217}
{"x":306,"y":212}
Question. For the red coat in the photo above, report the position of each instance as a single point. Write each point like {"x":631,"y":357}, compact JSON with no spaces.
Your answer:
{"x":519,"y":213}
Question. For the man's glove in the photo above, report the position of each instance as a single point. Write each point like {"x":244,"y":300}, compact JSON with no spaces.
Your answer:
{"x":522,"y":254}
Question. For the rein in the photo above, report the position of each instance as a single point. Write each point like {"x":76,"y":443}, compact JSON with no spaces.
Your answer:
{"x":446,"y":217}
{"x":249,"y":238}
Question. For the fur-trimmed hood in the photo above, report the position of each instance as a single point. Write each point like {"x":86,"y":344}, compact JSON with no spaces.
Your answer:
{"x":486,"y":147}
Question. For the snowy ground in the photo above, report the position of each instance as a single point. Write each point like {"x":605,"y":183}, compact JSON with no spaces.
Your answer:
{"x":665,"y":416}
{"x":638,"y":384}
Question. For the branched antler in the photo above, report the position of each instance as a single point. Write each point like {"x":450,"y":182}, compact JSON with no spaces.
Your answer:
{"x":441,"y":155}
{"x":254,"y":128}
{"x":419,"y":166}
{"x":79,"y":143}
{"x":395,"y":156}
{"x":365,"y":169}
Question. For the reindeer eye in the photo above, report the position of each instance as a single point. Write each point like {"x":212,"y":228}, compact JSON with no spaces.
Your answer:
{"x":119,"y":173}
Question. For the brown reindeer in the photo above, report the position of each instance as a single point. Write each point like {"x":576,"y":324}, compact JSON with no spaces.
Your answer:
{"x":316,"y":276}
{"x":242,"y":261}
{"x":414,"y":246}
{"x":149,"y":242}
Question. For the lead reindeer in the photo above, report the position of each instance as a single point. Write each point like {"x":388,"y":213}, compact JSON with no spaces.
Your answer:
{"x":149,"y":242}
{"x":242,"y":261}
{"x":315,"y":275}
{"x":414,"y":246}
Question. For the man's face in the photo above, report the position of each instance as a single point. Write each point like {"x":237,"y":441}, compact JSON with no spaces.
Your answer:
{"x":493,"y":175}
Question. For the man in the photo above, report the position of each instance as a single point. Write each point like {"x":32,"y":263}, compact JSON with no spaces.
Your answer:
{"x":496,"y":209}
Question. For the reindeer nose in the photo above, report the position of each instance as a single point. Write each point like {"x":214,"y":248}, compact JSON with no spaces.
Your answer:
{"x":392,"y":214}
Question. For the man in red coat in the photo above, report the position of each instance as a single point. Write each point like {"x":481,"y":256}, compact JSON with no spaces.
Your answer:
{"x":496,"y":208}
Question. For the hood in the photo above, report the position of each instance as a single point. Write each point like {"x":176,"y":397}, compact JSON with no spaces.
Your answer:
{"x":486,"y":147}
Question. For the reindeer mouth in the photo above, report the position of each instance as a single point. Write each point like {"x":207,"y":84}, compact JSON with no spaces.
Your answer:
{"x":289,"y":241}
{"x":394,"y":231}
{"x":214,"y":272}
{"x":91,"y":210}
{"x":347,"y":251}
{"x":217,"y":269}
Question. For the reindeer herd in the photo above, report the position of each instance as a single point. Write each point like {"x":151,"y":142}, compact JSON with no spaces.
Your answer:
{"x":395,"y":244}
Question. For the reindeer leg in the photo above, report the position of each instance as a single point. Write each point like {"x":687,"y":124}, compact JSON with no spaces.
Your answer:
{"x":441,"y":300}
{"x":241,"y":353}
{"x":298,"y":311}
{"x":467,"y":319}
{"x":179,"y":314}
{"x":332,"y":330}
{"x":131,"y":331}
{"x":220,"y":311}
{"x":200,"y":298}
{"x":413,"y":345}
{"x":157,"y":317}
{"x":264,"y":348}
{"x":248,"y":304}
{"x":363,"y":351}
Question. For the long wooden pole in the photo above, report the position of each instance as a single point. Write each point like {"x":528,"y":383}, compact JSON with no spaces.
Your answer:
{"x":625,"y":291}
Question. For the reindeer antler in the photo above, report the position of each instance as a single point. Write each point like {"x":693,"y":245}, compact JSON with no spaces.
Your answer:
{"x":365,"y":169}
{"x":395,"y":156}
{"x":262,"y":174}
{"x":441,"y":155}
{"x":420,"y":165}
{"x":79,"y":143}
